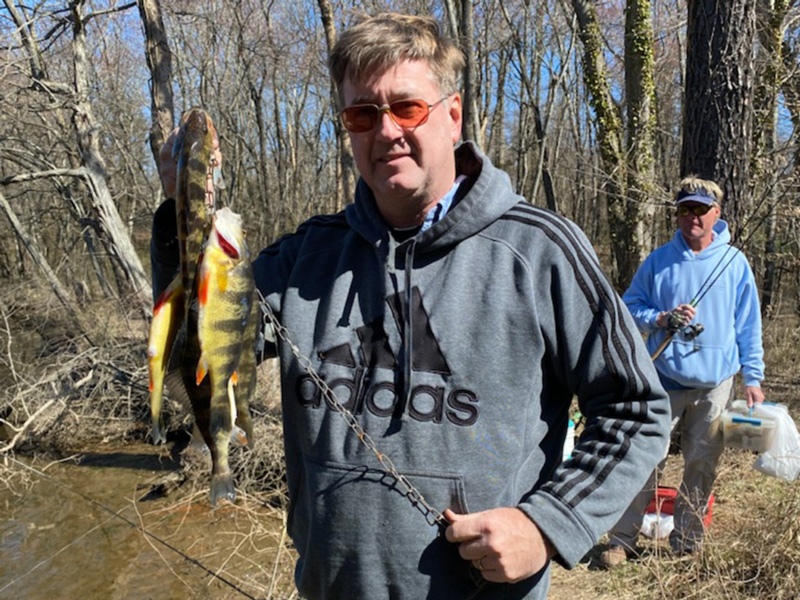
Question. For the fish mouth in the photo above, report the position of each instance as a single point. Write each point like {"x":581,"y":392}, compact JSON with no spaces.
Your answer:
{"x":196,"y":119}
{"x":228,"y":230}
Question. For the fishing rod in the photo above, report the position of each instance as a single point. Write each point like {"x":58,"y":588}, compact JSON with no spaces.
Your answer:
{"x":706,"y":286}
{"x":118,"y":515}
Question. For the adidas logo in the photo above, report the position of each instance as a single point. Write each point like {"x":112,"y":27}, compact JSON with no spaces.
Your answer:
{"x":426,"y":403}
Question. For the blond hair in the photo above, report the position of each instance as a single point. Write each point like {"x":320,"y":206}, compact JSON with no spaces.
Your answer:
{"x":376,"y":43}
{"x":692,"y":183}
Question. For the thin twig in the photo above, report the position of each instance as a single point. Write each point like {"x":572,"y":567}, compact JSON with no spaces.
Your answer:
{"x":10,"y":445}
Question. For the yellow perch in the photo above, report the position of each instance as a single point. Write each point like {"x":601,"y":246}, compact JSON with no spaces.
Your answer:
{"x":167,"y":320}
{"x":225,"y":299}
{"x":194,"y":154}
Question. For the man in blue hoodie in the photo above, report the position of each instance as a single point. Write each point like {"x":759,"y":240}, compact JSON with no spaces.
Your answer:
{"x":454,"y":323}
{"x":698,"y":366}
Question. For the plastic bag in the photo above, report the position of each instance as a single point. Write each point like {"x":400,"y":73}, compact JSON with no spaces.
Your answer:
{"x":782,"y":458}
{"x":657,"y":526}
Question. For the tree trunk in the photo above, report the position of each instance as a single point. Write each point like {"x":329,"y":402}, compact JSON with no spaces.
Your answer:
{"x":471,"y":129}
{"x":770,"y":32}
{"x":609,"y":137}
{"x":718,"y":116}
{"x":118,"y":242}
{"x":543,"y":165}
{"x":790,"y":87}
{"x":159,"y":62}
{"x":640,"y":92}
{"x":347,"y":174}
{"x":543,"y":168}
{"x":40,"y":260}
{"x":497,"y":142}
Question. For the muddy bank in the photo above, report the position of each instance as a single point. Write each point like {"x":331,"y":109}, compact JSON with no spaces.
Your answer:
{"x":76,"y":529}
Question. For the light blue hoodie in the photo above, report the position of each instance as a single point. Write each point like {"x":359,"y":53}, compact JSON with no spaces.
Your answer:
{"x":673,"y":274}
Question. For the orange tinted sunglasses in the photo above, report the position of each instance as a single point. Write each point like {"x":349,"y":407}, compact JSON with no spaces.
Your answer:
{"x":360,"y":118}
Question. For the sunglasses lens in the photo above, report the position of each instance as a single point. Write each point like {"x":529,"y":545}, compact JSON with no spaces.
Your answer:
{"x":360,"y":118}
{"x":409,"y":113}
{"x":698,"y":211}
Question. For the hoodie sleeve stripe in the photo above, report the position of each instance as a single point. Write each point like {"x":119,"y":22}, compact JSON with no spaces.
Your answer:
{"x":575,"y":252}
{"x":616,"y":351}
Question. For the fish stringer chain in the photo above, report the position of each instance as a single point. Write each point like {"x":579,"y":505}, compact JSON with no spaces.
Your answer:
{"x":431,"y":514}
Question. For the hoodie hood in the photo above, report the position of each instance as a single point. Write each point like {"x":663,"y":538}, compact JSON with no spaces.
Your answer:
{"x":486,"y":195}
{"x":720,"y":241}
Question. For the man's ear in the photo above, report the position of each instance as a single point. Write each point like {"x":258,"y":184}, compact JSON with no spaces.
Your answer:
{"x":456,"y":112}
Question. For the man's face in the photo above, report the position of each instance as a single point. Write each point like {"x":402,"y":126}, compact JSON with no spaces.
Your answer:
{"x":408,"y":169}
{"x":697,"y":230}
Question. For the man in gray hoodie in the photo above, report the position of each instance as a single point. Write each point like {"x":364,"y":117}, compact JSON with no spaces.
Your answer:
{"x":454,"y":324}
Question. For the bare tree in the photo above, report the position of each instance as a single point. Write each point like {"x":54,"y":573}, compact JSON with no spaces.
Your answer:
{"x":76,"y":96}
{"x":790,"y":88}
{"x":347,"y":166}
{"x":570,"y":117}
{"x":640,"y":96}
{"x":116,"y":237}
{"x":609,"y":134}
{"x":536,"y":115}
{"x":40,"y":259}
{"x":770,"y":29}
{"x":460,"y":20}
{"x":718,"y":116}
{"x":159,"y":62}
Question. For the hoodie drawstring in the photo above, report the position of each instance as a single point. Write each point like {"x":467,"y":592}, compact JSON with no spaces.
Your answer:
{"x":408,"y":337}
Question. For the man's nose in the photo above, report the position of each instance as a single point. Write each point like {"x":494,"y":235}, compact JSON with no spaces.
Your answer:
{"x":387,"y":128}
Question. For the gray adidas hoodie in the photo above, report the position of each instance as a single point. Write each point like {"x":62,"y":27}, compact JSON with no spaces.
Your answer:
{"x":458,"y":352}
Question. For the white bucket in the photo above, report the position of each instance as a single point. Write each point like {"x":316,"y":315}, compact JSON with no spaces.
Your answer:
{"x":745,"y":431}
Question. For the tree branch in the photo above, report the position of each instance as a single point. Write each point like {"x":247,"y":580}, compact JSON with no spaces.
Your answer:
{"x":79,"y":172}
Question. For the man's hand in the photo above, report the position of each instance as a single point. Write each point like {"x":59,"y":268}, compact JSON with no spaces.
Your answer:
{"x":681,"y":315}
{"x":503,"y":543}
{"x":754,"y":395}
{"x":168,"y":167}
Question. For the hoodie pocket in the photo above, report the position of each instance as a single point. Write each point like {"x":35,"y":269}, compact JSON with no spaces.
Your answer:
{"x":362,"y":533}
{"x":697,"y":365}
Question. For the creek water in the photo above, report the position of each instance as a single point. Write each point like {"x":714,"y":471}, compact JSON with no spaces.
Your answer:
{"x":60,"y":538}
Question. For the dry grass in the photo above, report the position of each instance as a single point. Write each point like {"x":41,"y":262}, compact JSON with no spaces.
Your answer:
{"x":752,"y":550}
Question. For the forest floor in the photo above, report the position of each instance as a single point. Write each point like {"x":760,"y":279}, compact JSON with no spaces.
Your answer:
{"x":97,"y":512}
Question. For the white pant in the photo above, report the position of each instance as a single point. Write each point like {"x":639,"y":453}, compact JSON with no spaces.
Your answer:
{"x":696,"y":412}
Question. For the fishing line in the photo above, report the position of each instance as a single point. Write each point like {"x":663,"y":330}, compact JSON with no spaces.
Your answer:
{"x":738,"y":245}
{"x":738,"y":248}
{"x":48,"y":559}
{"x":118,"y":515}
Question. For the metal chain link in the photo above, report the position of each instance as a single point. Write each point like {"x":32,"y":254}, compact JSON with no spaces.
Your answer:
{"x":431,"y":514}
